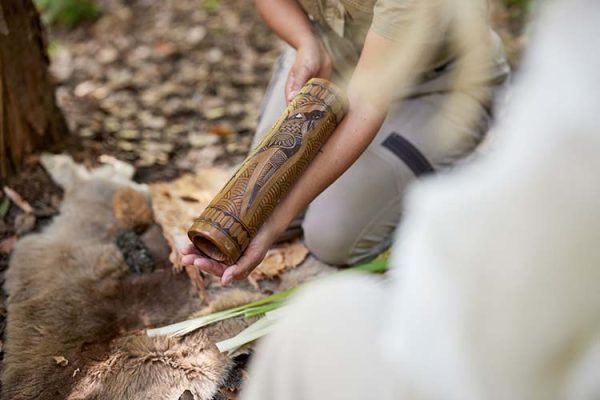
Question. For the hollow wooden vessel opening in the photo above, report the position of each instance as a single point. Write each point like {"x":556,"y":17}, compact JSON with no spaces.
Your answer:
{"x":215,"y":244}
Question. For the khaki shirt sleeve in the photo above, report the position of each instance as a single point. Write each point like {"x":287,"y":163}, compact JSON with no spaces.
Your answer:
{"x":394,"y":19}
{"x":391,"y":18}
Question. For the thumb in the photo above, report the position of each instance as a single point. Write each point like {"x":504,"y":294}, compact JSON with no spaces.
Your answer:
{"x":299,"y":75}
{"x":229,"y":274}
{"x":240,"y":270}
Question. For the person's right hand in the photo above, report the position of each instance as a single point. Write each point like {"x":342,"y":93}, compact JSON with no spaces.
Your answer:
{"x":312,"y":61}
{"x":253,"y":255}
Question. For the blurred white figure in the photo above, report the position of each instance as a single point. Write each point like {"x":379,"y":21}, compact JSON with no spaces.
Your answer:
{"x":496,"y":294}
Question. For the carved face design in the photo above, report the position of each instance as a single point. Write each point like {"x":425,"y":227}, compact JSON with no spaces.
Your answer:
{"x":307,"y":119}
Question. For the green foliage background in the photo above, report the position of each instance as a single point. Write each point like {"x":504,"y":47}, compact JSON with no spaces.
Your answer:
{"x":67,"y":12}
{"x":517,"y":3}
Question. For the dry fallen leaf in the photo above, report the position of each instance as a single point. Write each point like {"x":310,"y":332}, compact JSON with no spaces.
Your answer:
{"x":199,"y":140}
{"x":294,"y":254}
{"x":60,"y":360}
{"x":271,"y":266}
{"x":199,"y":158}
{"x":221,"y":129}
{"x":215,"y":113}
{"x":177,"y":203}
{"x":287,"y":256}
{"x":7,"y":244}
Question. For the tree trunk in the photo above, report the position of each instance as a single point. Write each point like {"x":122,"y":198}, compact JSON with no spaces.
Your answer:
{"x":29,"y":117}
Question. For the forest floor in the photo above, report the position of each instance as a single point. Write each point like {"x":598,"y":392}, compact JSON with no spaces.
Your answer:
{"x":168,"y":86}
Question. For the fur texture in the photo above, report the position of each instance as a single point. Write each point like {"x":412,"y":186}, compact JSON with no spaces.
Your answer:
{"x":71,"y":295}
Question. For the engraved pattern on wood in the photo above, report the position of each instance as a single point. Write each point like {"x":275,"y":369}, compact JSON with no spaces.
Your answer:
{"x":225,"y":228}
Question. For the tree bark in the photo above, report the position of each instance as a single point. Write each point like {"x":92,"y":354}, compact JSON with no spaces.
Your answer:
{"x":29,"y":116}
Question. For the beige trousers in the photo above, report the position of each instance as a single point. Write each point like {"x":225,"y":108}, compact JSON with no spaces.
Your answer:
{"x":355,"y":218}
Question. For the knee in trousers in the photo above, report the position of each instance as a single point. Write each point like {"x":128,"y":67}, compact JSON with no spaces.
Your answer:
{"x":329,"y":244}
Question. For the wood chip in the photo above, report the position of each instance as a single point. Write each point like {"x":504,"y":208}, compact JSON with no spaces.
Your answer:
{"x":60,"y":360}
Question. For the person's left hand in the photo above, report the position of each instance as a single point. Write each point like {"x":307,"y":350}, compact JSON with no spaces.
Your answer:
{"x":312,"y":61}
{"x":254,"y":254}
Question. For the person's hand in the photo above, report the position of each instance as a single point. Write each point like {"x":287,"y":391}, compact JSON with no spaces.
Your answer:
{"x":312,"y":61}
{"x":254,"y":254}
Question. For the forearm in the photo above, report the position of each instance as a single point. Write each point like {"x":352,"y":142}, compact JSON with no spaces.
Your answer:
{"x":369,"y":101}
{"x":288,"y":20}
{"x":343,"y":148}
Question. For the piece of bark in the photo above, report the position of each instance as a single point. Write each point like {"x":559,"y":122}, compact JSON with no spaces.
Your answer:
{"x":29,"y":116}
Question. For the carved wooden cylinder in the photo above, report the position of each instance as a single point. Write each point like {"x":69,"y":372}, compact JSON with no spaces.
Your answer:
{"x":225,"y":228}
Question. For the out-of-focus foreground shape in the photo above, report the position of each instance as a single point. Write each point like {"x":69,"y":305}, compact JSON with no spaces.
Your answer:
{"x":495,"y":289}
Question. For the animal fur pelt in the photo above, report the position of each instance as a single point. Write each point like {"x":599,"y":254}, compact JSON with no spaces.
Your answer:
{"x":76,"y":314}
